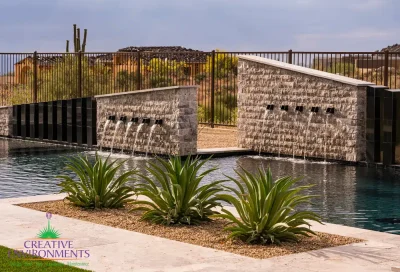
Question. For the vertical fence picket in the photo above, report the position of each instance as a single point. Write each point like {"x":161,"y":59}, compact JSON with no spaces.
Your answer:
{"x":212,"y":119}
{"x":35,"y":77}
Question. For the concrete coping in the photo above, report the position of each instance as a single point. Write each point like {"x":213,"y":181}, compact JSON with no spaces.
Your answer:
{"x":308,"y":71}
{"x":5,"y":107}
{"x":147,"y":91}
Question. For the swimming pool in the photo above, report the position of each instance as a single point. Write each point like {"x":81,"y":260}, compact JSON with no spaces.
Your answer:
{"x":356,"y":196}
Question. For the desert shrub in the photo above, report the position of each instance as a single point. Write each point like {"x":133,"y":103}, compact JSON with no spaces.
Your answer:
{"x":126,"y":81}
{"x":229,"y":100}
{"x":200,"y":77}
{"x":97,"y":185}
{"x":61,"y":80}
{"x":201,"y":114}
{"x":225,"y":64}
{"x":179,"y":198}
{"x":160,"y":81}
{"x":267,"y":209}
{"x":21,"y":94}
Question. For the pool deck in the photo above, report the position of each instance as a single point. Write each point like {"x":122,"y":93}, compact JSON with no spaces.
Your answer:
{"x":113,"y":249}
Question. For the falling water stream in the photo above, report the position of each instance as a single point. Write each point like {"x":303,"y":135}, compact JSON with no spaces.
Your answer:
{"x":325,"y":133}
{"x":308,"y":127}
{"x":128,"y":127}
{"x":104,"y":133}
{"x":153,"y":127}
{"x":139,"y":128}
{"x":279,"y":132}
{"x":295,"y":123}
{"x":115,"y":133}
{"x":262,"y":129}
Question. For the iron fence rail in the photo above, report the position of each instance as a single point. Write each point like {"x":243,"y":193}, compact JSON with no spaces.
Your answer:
{"x":40,"y":77}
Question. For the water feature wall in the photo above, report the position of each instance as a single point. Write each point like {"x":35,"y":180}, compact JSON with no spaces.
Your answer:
{"x":300,"y":123}
{"x":175,"y":132}
{"x":5,"y":121}
{"x":64,"y":121}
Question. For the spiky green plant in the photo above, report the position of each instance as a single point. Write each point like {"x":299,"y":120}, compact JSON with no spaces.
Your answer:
{"x":267,"y":209}
{"x":180,"y":198}
{"x":97,"y":185}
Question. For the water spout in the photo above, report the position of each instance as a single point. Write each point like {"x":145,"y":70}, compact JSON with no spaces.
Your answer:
{"x":284,"y":108}
{"x":115,"y":133}
{"x":315,"y":109}
{"x":104,"y":132}
{"x":330,"y":110}
{"x":146,"y":121}
{"x":153,"y":127}
{"x":139,"y":128}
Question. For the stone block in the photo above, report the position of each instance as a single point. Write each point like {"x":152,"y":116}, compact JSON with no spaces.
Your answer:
{"x":261,"y":84}
{"x":176,"y":106}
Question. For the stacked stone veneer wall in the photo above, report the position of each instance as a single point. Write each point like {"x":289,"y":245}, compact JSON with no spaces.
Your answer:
{"x":6,"y":121}
{"x":176,"y":106}
{"x":340,"y":136}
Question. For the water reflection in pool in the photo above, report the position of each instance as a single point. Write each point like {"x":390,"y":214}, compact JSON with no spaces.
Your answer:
{"x":354,"y":196}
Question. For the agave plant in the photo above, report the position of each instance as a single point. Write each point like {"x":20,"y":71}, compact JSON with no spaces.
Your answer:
{"x":179,"y":198}
{"x":97,"y":185}
{"x":267,"y":209}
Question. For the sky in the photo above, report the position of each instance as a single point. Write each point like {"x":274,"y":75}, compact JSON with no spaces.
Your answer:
{"x":231,"y":25}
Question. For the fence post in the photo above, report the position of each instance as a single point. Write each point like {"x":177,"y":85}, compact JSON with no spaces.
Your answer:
{"x":290,"y":56}
{"x":138,"y":74}
{"x":212,"y":87}
{"x":80,"y":74}
{"x":35,"y":79}
{"x":386,"y":71}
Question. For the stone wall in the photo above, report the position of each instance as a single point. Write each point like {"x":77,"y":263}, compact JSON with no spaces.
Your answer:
{"x":340,"y":136}
{"x":176,"y":106}
{"x":6,"y":121}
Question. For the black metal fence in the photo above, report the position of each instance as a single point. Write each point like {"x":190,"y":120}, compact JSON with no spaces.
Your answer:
{"x":39,"y":77}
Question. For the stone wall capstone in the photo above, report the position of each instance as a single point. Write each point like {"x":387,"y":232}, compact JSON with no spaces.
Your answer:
{"x":338,"y":136}
{"x":176,"y":106}
{"x":6,"y":121}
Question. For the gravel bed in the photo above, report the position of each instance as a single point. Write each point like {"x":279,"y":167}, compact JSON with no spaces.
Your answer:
{"x":217,"y":137}
{"x":209,"y":234}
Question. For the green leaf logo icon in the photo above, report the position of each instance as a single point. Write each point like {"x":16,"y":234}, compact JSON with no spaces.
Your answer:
{"x":48,"y":232}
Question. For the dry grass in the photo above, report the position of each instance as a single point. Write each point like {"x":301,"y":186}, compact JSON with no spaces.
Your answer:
{"x":217,"y":137}
{"x":209,"y":234}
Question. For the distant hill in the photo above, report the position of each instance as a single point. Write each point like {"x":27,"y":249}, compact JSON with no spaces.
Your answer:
{"x":391,"y":48}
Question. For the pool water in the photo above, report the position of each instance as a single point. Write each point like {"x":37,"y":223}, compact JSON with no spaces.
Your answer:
{"x":356,"y":196}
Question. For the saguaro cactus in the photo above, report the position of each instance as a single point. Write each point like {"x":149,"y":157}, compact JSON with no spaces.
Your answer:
{"x":77,"y":40}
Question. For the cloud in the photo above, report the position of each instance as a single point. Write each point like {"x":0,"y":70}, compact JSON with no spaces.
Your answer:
{"x":355,"y":34}
{"x":251,"y":25}
{"x":369,"y":5}
{"x":359,"y":39}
